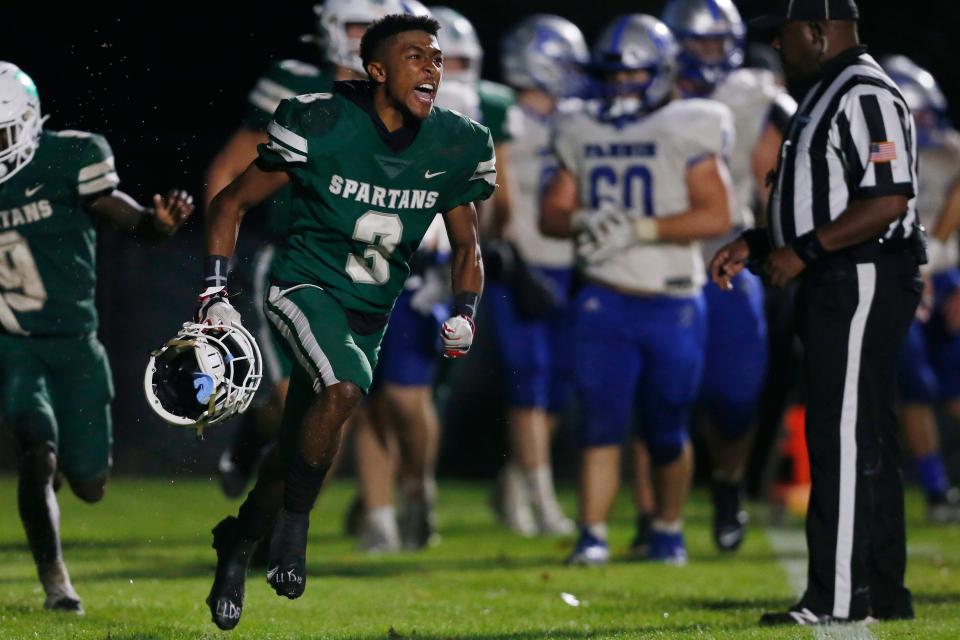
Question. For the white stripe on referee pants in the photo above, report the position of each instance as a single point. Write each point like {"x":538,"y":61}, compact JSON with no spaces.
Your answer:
{"x":314,"y":358}
{"x":843,"y":579}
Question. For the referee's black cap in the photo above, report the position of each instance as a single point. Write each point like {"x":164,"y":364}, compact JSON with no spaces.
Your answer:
{"x":807,"y":11}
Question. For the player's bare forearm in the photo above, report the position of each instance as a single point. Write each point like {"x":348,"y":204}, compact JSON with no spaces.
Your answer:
{"x":235,"y":156}
{"x":764,"y":160}
{"x":558,"y":204}
{"x":466,"y":261}
{"x":948,"y":221}
{"x":502,"y":200}
{"x":863,"y":220}
{"x":226,"y":210}
{"x":711,"y":203}
{"x":149,"y":224}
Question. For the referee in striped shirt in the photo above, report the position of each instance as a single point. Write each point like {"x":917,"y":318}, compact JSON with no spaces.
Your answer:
{"x":842,"y":220}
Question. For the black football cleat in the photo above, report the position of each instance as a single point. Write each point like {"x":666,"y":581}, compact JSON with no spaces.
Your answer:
{"x":729,"y":518}
{"x":287,"y":569}
{"x":233,"y":555}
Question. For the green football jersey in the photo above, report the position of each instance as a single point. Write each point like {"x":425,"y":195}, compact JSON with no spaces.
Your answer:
{"x":48,"y":239}
{"x":283,"y":79}
{"x":360,"y":209}
{"x":497,"y":106}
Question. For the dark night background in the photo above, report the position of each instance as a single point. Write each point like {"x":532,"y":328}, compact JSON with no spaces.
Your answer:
{"x":167,"y":82}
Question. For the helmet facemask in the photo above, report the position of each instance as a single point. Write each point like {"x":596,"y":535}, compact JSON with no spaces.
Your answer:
{"x":341,"y":24}
{"x":547,"y":53}
{"x":711,"y":34}
{"x":204,"y":375}
{"x":634,"y":67}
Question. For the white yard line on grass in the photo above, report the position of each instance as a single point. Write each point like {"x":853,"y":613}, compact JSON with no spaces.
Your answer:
{"x":791,"y":548}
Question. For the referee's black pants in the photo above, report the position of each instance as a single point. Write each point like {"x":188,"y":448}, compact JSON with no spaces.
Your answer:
{"x":853,"y":317}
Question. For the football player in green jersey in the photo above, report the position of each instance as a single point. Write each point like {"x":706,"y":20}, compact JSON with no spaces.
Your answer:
{"x":340,"y":25}
{"x":371,"y":164}
{"x":56,"y":187}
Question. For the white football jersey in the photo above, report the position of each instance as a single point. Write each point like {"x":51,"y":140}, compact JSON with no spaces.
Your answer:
{"x":939,"y":170}
{"x":641,"y":165}
{"x":532,"y":163}
{"x":750,"y":94}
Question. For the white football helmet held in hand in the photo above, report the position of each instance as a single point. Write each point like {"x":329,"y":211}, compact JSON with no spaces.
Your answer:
{"x":203,"y":375}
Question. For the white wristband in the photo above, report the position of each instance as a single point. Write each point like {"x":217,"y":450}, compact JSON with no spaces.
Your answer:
{"x":646,"y":229}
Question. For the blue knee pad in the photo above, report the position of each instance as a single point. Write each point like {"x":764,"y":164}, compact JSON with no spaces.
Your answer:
{"x":918,"y":380}
{"x":736,"y":355}
{"x":524,"y":349}
{"x":410,"y":348}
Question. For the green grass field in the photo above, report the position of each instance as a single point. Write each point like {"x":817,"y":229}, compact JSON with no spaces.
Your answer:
{"x":142,"y":562}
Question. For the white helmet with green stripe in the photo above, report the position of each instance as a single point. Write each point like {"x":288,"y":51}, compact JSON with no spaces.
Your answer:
{"x":334,"y":19}
{"x":20,"y":122}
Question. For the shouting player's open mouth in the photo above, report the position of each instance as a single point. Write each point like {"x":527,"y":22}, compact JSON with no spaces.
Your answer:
{"x":425,"y":92}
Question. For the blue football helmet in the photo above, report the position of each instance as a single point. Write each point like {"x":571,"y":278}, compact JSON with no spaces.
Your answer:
{"x":711,"y":36}
{"x":633,"y":43}
{"x":545,"y":52}
{"x":923,"y":96}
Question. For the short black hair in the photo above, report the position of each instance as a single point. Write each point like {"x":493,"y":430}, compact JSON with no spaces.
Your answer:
{"x":388,"y":26}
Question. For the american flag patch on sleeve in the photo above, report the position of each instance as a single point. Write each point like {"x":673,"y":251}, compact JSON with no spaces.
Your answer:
{"x":883,"y":152}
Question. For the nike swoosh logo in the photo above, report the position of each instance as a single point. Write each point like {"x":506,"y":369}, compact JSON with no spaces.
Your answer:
{"x":429,"y":175}
{"x":30,"y":191}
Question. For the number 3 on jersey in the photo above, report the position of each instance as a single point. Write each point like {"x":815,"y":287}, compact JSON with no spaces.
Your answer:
{"x":382,"y":231}
{"x":631,"y":188}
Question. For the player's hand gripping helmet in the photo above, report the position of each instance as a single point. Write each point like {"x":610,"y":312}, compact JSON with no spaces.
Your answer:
{"x":458,"y":39}
{"x":635,"y":64}
{"x":203,"y":375}
{"x":923,"y":96}
{"x":711,"y":36}
{"x":335,"y":20}
{"x":545,"y":52}
{"x":20,"y":122}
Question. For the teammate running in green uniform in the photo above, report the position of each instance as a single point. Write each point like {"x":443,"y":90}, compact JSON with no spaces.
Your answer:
{"x":371,"y":164}
{"x":55,"y":384}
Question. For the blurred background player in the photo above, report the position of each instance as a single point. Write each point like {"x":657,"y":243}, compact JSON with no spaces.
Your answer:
{"x":930,"y":362}
{"x":711,"y":38}
{"x":56,"y":189}
{"x":642,"y":180}
{"x":463,"y":63}
{"x":340,"y":25}
{"x":543,"y":58}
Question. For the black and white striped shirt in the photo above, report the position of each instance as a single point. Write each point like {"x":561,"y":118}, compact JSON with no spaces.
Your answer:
{"x":852,"y":138}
